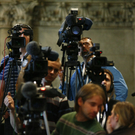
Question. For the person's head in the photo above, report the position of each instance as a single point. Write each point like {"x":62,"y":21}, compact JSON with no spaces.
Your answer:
{"x":108,"y":82}
{"x":89,"y":99}
{"x":85,"y":44}
{"x":53,"y":70}
{"x":123,"y":114}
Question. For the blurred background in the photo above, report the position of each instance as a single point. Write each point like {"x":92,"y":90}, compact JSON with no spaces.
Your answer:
{"x":113,"y":28}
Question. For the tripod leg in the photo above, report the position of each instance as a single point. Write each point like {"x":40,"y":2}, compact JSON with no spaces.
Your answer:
{"x":46,"y":123}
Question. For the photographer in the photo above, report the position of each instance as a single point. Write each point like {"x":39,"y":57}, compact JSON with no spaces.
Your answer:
{"x":14,"y":74}
{"x":119,"y":83}
{"x":56,"y":106}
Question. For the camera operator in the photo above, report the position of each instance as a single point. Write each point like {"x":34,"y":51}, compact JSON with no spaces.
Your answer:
{"x":14,"y":74}
{"x":56,"y":106}
{"x":120,"y":86}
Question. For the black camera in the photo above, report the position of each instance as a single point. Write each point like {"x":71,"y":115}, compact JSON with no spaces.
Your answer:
{"x":73,"y":27}
{"x":32,"y":106}
{"x":94,"y":65}
{"x":70,"y":33}
{"x":34,"y":97}
{"x":16,"y":42}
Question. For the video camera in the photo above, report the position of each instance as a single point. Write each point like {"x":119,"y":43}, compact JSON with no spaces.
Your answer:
{"x":95,"y":64}
{"x":71,"y":31}
{"x":32,"y":106}
{"x":17,"y":42}
{"x":31,"y":96}
{"x":34,"y":97}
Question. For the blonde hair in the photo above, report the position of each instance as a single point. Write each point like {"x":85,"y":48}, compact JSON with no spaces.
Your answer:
{"x":126,"y":112}
{"x":88,"y":91}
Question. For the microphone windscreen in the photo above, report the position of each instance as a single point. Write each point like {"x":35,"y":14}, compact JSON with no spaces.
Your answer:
{"x":29,"y":90}
{"x":53,"y":56}
{"x":33,"y":48}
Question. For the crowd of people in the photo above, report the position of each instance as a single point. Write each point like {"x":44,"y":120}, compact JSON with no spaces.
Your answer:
{"x":100,"y":109}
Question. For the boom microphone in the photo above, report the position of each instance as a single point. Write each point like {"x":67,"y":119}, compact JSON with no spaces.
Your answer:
{"x":53,"y":55}
{"x":29,"y":90}
{"x":33,"y":48}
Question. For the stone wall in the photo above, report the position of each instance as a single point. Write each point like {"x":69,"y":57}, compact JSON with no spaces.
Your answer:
{"x":113,"y":27}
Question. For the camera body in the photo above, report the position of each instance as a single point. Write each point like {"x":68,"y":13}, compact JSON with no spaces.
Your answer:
{"x":16,"y":41}
{"x":94,"y":65}
{"x":71,"y":31}
{"x":34,"y":98}
{"x":72,"y":28}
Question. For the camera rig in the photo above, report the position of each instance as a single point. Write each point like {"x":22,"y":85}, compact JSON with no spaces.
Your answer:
{"x":94,"y":66}
{"x":70,"y":34}
{"x":16,"y":41}
{"x":31,"y":96}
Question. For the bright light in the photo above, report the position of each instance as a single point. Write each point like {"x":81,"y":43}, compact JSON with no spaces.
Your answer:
{"x":42,"y":88}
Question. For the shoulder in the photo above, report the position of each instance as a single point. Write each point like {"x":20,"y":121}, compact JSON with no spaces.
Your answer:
{"x":69,"y":115}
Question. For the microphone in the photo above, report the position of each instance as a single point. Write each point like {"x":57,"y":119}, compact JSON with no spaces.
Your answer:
{"x":29,"y":90}
{"x":53,"y":56}
{"x":33,"y":48}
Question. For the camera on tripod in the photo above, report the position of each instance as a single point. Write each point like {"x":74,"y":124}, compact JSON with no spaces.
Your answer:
{"x":16,"y":41}
{"x":71,"y":31}
{"x":31,"y":96}
{"x":35,"y":97}
{"x":97,"y":61}
{"x":95,"y":64}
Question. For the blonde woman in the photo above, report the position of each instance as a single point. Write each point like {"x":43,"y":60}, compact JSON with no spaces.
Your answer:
{"x":122,"y":119}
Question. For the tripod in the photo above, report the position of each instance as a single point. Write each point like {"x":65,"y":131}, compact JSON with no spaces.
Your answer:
{"x":72,"y":64}
{"x":33,"y":125}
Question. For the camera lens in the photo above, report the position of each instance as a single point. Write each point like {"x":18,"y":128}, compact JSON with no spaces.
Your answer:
{"x":76,"y":30}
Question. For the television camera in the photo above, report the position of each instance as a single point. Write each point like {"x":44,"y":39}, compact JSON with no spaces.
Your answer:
{"x":32,"y":108}
{"x":94,"y":66}
{"x":17,"y":42}
{"x":71,"y":31}
{"x":31,"y":96}
{"x":70,"y":34}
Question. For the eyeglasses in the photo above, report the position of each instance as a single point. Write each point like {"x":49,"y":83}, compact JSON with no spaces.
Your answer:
{"x":51,"y":68}
{"x":84,"y":43}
